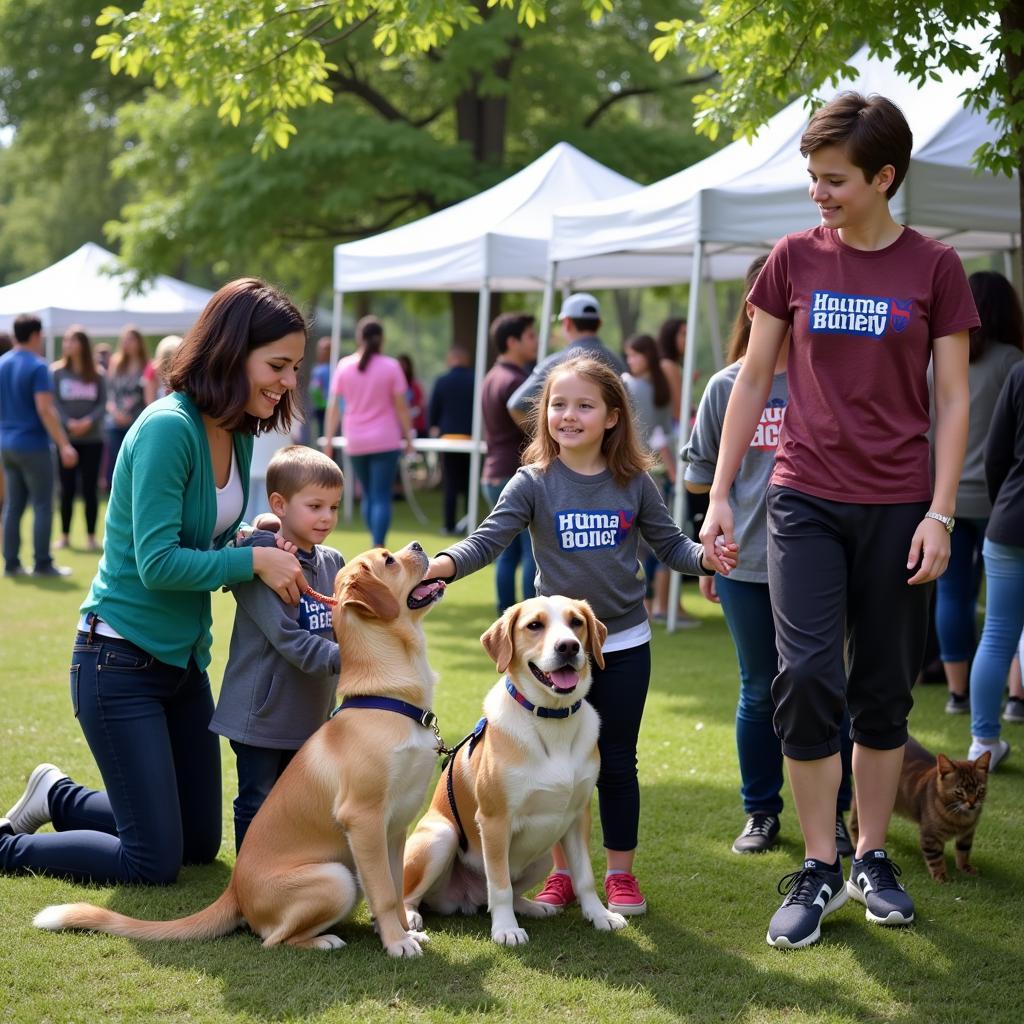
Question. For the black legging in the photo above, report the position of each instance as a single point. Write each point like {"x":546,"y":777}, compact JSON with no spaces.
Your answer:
{"x":90,"y":455}
{"x":618,"y":694}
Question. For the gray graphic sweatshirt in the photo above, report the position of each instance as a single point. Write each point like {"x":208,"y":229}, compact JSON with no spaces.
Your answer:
{"x":585,"y":532}
{"x":283,"y":664}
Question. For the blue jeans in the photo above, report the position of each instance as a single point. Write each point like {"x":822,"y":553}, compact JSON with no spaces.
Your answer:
{"x":519,"y":552}
{"x":1004,"y":620}
{"x":748,"y":614}
{"x":376,"y":474}
{"x":28,"y":475}
{"x":146,"y":724}
{"x":258,"y":769}
{"x":956,"y":593}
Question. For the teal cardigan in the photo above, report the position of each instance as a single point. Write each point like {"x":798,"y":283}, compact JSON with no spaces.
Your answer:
{"x":159,"y":566}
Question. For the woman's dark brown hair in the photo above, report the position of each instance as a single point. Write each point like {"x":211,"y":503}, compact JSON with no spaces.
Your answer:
{"x":646,"y":346}
{"x":625,"y":454}
{"x":370,"y":335}
{"x":1000,"y":312}
{"x":121,"y":361}
{"x":668,"y":338}
{"x":86,"y":364}
{"x":209,"y":365}
{"x":740,"y":336}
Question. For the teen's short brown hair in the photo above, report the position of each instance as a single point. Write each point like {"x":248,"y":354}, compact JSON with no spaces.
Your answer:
{"x":871,"y":129}
{"x":209,"y":365}
{"x":298,"y":466}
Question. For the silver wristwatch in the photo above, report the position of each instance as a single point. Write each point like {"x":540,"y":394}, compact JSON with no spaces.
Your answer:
{"x":947,"y":521}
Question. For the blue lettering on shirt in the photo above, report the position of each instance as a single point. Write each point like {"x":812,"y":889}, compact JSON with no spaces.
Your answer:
{"x":864,"y":315}
{"x":315,"y":616}
{"x":589,"y":529}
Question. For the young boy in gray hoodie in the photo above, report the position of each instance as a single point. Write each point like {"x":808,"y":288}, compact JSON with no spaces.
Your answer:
{"x":283,"y":664}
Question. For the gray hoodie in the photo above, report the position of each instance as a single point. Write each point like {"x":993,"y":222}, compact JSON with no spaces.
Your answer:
{"x":283,"y":664}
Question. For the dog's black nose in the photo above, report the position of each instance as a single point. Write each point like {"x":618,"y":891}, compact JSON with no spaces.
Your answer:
{"x":416,"y":546}
{"x":568,"y":648}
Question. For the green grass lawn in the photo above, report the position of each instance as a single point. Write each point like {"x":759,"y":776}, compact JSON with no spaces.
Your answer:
{"x":699,"y":954}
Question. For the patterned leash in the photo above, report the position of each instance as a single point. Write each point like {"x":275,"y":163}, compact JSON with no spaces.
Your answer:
{"x":322,"y":598}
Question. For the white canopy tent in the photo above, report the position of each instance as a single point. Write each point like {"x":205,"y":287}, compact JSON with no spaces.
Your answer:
{"x":90,"y":288}
{"x":494,"y":241}
{"x":740,"y":200}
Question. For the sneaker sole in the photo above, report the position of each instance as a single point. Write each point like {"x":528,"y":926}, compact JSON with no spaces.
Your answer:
{"x":764,"y":849}
{"x":38,"y":773}
{"x":783,"y":942}
{"x":558,"y":907}
{"x":894,"y":918}
{"x":958,"y":711}
{"x":628,"y":909}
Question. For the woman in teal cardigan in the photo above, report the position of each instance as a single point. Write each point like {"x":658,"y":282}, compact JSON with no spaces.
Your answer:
{"x":139,"y":686}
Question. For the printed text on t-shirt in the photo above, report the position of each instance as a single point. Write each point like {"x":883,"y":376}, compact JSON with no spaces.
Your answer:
{"x":579,"y":529}
{"x":864,"y":315}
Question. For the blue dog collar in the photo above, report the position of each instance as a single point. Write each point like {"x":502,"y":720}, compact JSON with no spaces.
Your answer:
{"x":540,"y":712}
{"x":424,"y":716}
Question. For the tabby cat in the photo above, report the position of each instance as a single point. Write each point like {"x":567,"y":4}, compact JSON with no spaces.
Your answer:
{"x":945,"y":798}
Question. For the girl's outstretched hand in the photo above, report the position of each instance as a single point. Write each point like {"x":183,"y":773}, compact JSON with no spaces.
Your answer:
{"x":441,"y":567}
{"x":708,"y":589}
{"x":720,"y":551}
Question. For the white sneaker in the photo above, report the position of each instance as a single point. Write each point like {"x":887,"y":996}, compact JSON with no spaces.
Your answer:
{"x":32,"y":811}
{"x":999,"y":750}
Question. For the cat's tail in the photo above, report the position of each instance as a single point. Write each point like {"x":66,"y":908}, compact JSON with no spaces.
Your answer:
{"x":219,"y":918}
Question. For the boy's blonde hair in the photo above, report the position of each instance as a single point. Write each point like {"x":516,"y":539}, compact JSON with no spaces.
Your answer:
{"x":299,"y":466}
{"x":621,"y":446}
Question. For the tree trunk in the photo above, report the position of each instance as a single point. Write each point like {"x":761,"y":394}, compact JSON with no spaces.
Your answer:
{"x":1011,"y":23}
{"x":464,"y":306}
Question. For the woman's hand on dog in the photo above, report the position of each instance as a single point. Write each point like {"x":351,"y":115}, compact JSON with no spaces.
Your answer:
{"x":279,"y":570}
{"x":441,"y":567}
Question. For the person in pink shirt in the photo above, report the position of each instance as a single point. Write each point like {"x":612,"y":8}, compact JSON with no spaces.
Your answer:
{"x":375,"y":421}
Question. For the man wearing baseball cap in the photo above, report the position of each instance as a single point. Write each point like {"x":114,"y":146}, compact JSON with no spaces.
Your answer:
{"x":581,"y":317}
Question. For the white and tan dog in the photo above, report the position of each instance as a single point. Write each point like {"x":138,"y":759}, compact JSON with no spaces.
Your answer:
{"x":337,"y":818}
{"x":524,"y":785}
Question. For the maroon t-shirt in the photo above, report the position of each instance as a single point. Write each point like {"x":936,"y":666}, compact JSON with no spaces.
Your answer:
{"x":505,"y":439}
{"x":856,"y":428}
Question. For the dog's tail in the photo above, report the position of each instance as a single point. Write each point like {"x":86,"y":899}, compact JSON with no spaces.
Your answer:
{"x":219,"y":918}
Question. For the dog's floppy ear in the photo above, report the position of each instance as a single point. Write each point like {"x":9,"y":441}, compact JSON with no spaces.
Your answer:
{"x":365,"y":591}
{"x":497,"y":640}
{"x":597,"y":631}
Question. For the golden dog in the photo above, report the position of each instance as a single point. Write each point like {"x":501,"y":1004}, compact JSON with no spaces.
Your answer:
{"x":526,"y":785}
{"x":338,"y":816}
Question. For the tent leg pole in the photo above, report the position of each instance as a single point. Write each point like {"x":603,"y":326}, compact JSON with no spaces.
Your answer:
{"x":346,"y":463}
{"x":545,"y":311}
{"x":711,"y":312}
{"x":473,"y":501}
{"x":685,"y":398}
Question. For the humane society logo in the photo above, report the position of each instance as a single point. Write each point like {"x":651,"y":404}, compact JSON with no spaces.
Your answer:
{"x":314,"y":616}
{"x":580,"y":530}
{"x":864,"y":315}
{"x":766,"y":437}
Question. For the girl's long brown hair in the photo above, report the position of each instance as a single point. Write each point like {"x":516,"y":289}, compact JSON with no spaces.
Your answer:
{"x":120,"y":361}
{"x":86,"y":362}
{"x":740,"y":337}
{"x":621,"y":446}
{"x":647,"y":347}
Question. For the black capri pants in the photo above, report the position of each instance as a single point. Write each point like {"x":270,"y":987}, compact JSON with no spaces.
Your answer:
{"x":618,"y":694}
{"x":837,"y":575}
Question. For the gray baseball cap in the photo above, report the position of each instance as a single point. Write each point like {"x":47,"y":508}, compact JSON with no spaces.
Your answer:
{"x":580,"y":306}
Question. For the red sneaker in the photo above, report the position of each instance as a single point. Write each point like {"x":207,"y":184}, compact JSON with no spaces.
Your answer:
{"x":557,"y":892}
{"x":624,"y":895}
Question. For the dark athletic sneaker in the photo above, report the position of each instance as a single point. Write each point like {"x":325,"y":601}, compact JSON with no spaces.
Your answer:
{"x":874,"y":881}
{"x":958,"y":705}
{"x":760,"y":833}
{"x":812,"y":893}
{"x":1014,"y":710}
{"x":844,"y":844}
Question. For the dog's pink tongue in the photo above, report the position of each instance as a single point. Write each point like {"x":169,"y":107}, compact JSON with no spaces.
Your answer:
{"x":564,"y":678}
{"x":427,"y":588}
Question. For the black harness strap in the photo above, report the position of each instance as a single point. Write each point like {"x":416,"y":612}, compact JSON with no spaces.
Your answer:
{"x":449,"y":763}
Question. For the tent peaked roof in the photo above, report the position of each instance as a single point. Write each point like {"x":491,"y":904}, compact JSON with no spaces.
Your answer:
{"x":501,"y":234}
{"x":91,"y":288}
{"x":750,"y":193}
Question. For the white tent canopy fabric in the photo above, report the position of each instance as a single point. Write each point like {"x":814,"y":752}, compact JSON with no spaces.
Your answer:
{"x":494,"y":241}
{"x":90,"y":288}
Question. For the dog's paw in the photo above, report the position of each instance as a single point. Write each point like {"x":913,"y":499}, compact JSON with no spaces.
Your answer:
{"x":415,"y":919}
{"x":408,"y":945}
{"x":534,"y":908}
{"x":510,"y":936}
{"x":327,"y":942}
{"x":418,"y":935}
{"x":609,"y":921}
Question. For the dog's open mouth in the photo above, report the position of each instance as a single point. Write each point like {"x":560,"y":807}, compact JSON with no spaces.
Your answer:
{"x":562,"y":680}
{"x":426,"y":593}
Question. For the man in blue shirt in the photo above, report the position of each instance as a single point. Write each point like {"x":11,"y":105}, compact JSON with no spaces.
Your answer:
{"x":28,"y":421}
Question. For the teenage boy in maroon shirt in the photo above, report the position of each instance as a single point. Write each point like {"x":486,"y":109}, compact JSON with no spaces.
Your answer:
{"x":856,"y":530}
